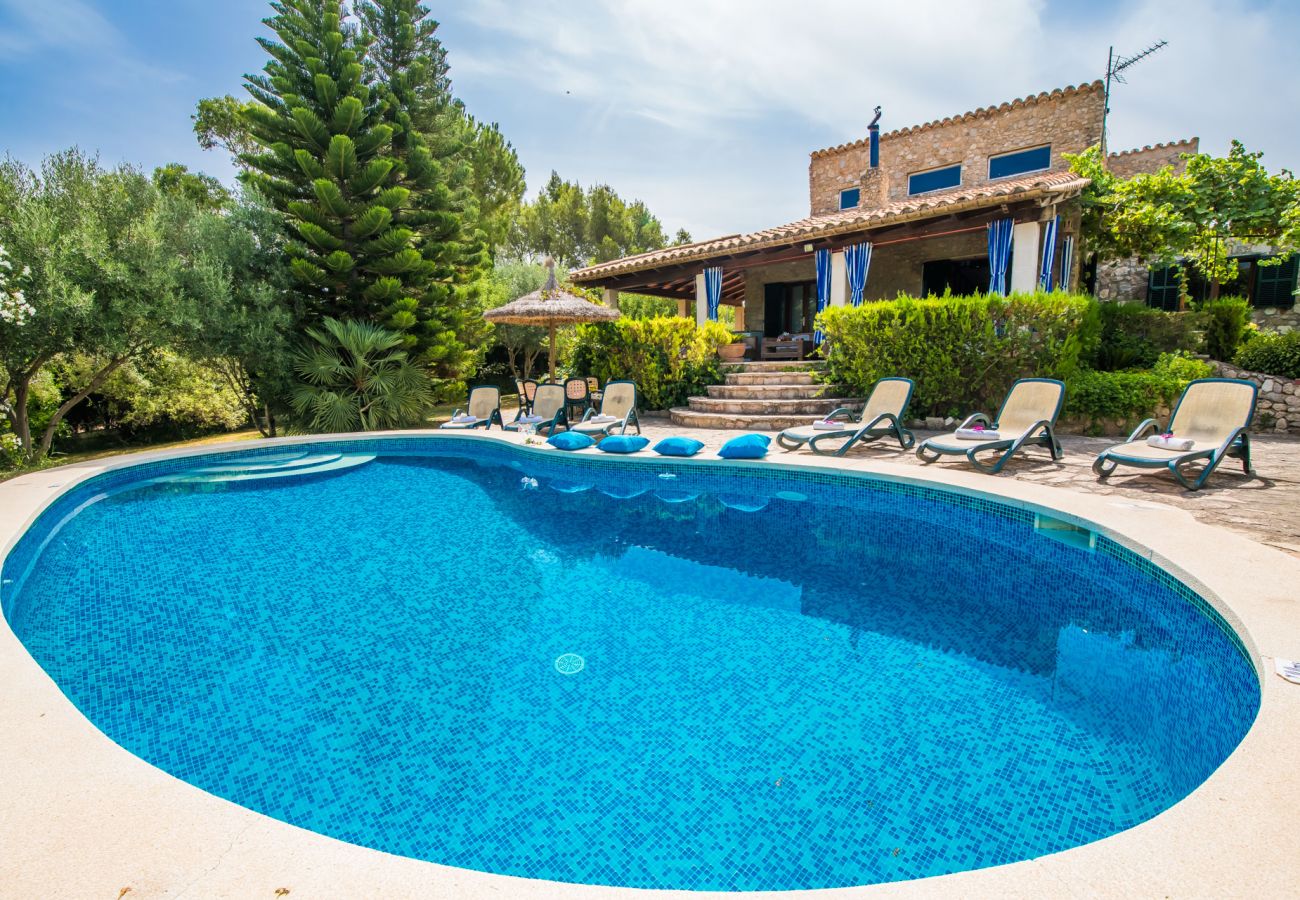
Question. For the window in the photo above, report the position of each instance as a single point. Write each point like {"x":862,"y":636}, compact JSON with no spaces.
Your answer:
{"x":1035,"y":159}
{"x":1275,"y":285}
{"x":934,"y":180}
{"x":849,"y":198}
{"x":1162,"y":288}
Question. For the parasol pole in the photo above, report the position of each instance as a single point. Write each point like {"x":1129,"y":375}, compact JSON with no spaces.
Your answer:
{"x":551,"y":357}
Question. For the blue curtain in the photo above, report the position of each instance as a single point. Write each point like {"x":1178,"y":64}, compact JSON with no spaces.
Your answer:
{"x":1049,"y":253}
{"x":823,"y":258}
{"x":857,"y":260}
{"x":713,"y":290}
{"x":999,"y":254}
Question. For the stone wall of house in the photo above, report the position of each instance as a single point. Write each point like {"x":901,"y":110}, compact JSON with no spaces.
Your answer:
{"x":1122,"y":280}
{"x":1278,"y":410}
{"x":1069,"y":119}
{"x":1151,"y":158}
{"x":1276,"y":319}
{"x":897,"y":268}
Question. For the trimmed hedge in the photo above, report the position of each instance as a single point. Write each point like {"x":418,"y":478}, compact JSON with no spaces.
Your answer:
{"x":1134,"y":336}
{"x":668,"y":357}
{"x":962,"y":352}
{"x":1097,"y":399}
{"x":1271,"y":353}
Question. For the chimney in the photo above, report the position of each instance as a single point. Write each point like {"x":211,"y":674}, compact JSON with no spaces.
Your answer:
{"x":874,"y":130}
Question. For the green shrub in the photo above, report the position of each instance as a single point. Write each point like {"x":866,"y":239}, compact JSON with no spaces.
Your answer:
{"x":1225,"y":326}
{"x":668,"y":357}
{"x":1134,"y":336}
{"x":962,"y":352}
{"x":1096,"y":398}
{"x":1272,"y":353}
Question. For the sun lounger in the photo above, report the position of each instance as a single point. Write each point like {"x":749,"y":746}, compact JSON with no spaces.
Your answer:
{"x":1027,"y":419}
{"x":882,"y":416}
{"x":482,"y":409}
{"x":617,"y":411}
{"x":1213,"y":414}
{"x":548,"y":411}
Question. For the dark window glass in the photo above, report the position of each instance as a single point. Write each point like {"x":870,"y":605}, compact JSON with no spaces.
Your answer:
{"x":934,"y":180}
{"x":849,"y":199}
{"x":1275,"y":285}
{"x":1021,"y":161}
{"x":1162,"y":288}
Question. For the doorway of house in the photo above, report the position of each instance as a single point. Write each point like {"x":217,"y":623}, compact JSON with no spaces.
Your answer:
{"x":961,"y":276}
{"x":789,"y":308}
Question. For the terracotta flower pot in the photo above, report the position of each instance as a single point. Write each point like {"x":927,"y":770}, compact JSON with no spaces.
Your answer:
{"x":732,"y":352}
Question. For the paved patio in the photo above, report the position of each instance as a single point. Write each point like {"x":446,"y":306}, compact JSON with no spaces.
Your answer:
{"x":1265,"y":508}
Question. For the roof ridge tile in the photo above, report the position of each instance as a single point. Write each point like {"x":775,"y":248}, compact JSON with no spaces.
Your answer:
{"x":976,"y":113}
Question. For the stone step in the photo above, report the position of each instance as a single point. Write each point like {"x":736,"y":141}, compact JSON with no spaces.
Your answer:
{"x":778,"y":365}
{"x":690,"y":418}
{"x":773,"y":391}
{"x":803,"y":408}
{"x":770,"y":378}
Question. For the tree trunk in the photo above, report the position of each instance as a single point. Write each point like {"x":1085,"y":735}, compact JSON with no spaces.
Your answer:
{"x":99,"y":378}
{"x":1214,"y":289}
{"x":19,"y":416}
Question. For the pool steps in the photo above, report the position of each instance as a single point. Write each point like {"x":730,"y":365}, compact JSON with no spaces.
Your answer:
{"x":270,"y":468}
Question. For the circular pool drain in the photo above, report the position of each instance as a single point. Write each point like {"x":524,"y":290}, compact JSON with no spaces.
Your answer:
{"x":569,"y":664}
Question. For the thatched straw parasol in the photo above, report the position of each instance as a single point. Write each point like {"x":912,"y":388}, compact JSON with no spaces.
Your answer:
{"x":550,"y":308}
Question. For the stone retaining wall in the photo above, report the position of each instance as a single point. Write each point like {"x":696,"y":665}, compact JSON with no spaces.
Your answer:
{"x":1279,"y":400}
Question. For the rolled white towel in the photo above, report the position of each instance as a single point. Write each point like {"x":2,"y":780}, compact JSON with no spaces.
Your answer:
{"x":602,"y":419}
{"x":829,"y":425}
{"x":530,"y":420}
{"x":1169,"y":442}
{"x":464,"y":419}
{"x":977,"y":434}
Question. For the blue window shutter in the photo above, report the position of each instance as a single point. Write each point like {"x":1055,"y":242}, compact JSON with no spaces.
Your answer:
{"x":849,"y":199}
{"x":1020,"y":162}
{"x":934,"y":180}
{"x":1275,"y":285}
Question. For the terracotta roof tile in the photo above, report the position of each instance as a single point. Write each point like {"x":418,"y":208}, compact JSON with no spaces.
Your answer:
{"x":1185,"y":142}
{"x":982,"y":112}
{"x":1063,"y":184}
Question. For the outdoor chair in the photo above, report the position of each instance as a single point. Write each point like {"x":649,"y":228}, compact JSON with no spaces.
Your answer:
{"x":882,"y":416}
{"x":593,"y":388}
{"x":577,"y":397}
{"x":481,"y":410}
{"x":617,"y":411}
{"x":548,"y":411}
{"x":1027,"y":419}
{"x":1213,"y":413}
{"x":527,"y":389}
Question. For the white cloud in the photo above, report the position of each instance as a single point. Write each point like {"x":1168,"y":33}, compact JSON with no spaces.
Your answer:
{"x":31,"y":32}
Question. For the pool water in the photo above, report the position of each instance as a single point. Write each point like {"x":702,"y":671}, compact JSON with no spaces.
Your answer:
{"x":727,"y":678}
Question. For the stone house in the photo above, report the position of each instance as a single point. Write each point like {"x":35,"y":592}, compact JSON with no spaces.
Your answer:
{"x":923,"y":198}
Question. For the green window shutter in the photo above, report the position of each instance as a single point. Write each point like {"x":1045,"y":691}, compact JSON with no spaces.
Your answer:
{"x":1275,"y":285}
{"x":1162,"y":288}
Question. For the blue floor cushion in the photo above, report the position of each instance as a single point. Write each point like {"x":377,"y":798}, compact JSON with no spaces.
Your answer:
{"x":570,"y":440}
{"x":623,"y":443}
{"x":678,"y":446}
{"x":747,"y":446}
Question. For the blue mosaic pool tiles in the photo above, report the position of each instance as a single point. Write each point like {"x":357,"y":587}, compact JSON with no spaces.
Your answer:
{"x":862,"y":681}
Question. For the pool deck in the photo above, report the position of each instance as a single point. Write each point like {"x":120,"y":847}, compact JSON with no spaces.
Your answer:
{"x":81,"y":817}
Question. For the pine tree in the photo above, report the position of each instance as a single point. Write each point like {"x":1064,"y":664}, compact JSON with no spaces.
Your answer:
{"x":431,"y":145}
{"x":327,"y":164}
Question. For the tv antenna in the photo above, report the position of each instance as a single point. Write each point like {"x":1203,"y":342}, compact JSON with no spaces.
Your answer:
{"x":1115,"y":68}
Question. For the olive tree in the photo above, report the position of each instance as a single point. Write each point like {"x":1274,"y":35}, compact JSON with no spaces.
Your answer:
{"x":98,"y":268}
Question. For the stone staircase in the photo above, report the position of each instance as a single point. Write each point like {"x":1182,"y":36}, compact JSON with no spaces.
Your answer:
{"x":763,"y":396}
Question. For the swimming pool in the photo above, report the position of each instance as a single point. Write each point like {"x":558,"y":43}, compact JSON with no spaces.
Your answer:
{"x":788,"y":679}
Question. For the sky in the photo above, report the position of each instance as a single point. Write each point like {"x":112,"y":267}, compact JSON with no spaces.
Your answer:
{"x":704,"y":109}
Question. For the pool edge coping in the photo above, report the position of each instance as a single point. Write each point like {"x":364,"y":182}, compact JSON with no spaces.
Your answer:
{"x":1159,"y":848}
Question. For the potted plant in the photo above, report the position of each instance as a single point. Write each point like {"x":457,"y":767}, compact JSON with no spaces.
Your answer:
{"x":735,"y":351}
